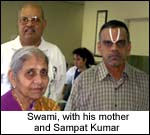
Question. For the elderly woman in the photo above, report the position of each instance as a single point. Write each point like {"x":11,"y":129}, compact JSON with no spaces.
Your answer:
{"x":28,"y":75}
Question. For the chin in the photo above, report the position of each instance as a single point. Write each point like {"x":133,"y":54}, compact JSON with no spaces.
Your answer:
{"x":114,"y":64}
{"x":36,"y":96}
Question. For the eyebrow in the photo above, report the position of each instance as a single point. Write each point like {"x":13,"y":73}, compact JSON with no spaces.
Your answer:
{"x":111,"y":41}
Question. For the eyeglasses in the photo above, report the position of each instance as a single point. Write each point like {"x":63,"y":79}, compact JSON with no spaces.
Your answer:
{"x":120,"y":43}
{"x":34,"y":19}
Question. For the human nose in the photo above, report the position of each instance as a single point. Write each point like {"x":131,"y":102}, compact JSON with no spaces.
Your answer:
{"x":38,"y":79}
{"x":29,"y":22}
{"x":114,"y":46}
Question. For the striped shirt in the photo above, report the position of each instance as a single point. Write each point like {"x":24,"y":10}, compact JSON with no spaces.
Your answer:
{"x":96,"y":90}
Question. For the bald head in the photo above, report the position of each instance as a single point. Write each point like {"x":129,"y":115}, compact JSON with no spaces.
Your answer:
{"x":33,"y":7}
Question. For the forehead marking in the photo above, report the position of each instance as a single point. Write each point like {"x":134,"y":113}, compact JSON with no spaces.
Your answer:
{"x":118,"y":35}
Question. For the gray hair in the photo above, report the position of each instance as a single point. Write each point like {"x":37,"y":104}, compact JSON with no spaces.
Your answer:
{"x":23,"y":54}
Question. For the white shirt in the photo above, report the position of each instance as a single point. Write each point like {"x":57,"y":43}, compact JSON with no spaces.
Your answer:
{"x":57,"y":67}
{"x":70,"y":75}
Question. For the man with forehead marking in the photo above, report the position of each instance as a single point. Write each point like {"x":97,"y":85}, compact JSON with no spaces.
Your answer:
{"x":112,"y":85}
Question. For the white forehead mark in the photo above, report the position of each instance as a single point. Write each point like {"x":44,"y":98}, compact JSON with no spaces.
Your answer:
{"x":110,"y":33}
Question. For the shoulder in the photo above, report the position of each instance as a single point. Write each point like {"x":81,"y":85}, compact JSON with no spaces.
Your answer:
{"x":6,"y":96}
{"x":53,"y":51}
{"x":15,"y":43}
{"x":137,"y":72}
{"x":6,"y":101}
{"x":49,"y":46}
{"x":88,"y":76}
{"x":70,"y":74}
{"x":7,"y":45}
{"x":72,"y":69}
{"x":91,"y":72}
{"x":138,"y":76}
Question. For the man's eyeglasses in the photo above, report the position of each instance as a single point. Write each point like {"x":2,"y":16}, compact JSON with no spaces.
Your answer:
{"x":34,"y":19}
{"x":119,"y":43}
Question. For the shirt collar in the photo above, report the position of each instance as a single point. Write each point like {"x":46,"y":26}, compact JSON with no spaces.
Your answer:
{"x":128,"y":70}
{"x":103,"y":72}
{"x":43,"y":46}
{"x":17,"y":44}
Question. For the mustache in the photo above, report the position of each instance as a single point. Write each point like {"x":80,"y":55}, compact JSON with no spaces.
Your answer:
{"x":115,"y":54}
{"x":30,"y":29}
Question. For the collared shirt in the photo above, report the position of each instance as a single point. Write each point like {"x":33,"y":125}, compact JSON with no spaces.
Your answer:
{"x":96,"y":90}
{"x":57,"y":67}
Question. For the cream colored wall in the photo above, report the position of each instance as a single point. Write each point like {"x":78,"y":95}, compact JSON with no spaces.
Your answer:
{"x":139,"y":31}
{"x":116,"y":10}
{"x":64,"y":23}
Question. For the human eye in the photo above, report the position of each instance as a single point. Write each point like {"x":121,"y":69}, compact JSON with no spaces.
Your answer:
{"x":107,"y":43}
{"x":24,"y":19}
{"x":44,"y":73}
{"x":121,"y":43}
{"x":30,"y":73}
{"x":36,"y":19}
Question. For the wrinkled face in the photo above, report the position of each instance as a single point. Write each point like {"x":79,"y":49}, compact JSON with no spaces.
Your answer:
{"x":32,"y":80}
{"x":114,"y":46}
{"x":79,"y":61}
{"x":30,"y":24}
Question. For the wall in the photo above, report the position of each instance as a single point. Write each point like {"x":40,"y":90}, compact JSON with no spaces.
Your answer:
{"x":73,"y":25}
{"x":64,"y":23}
{"x":121,"y":10}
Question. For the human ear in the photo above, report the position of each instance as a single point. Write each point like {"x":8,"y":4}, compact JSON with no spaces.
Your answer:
{"x":129,"y":48}
{"x":44,"y":23}
{"x":99,"y":47}
{"x":11,"y":78}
